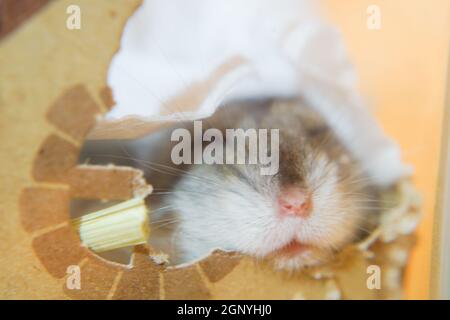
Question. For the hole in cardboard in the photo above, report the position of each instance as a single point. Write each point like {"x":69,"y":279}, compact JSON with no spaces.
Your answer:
{"x":139,"y":154}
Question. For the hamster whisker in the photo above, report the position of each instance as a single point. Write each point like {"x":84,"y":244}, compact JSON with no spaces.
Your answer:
{"x":164,"y":220}
{"x":178,"y":191}
{"x":164,"y":169}
{"x":353,"y":208}
{"x":386,"y":203}
{"x":363,"y":182}
{"x":163,"y":208}
{"x":179,"y":173}
{"x":164,"y":225}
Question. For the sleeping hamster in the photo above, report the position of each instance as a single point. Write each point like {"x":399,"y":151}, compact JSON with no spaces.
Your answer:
{"x":318,"y":201}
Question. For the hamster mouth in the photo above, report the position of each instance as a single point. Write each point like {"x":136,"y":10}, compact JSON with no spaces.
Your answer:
{"x":290,"y":249}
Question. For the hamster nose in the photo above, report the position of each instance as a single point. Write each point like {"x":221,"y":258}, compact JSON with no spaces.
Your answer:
{"x":295,"y":202}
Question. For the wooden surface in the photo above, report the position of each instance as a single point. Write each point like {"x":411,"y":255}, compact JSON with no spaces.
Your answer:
{"x":402,"y":69}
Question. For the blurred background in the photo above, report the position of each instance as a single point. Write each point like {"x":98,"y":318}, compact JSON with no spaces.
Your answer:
{"x":403,"y":70}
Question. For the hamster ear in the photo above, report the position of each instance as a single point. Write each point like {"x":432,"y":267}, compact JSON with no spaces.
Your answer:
{"x":327,"y":81}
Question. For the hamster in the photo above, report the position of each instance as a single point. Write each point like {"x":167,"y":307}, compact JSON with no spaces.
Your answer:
{"x":319,"y":201}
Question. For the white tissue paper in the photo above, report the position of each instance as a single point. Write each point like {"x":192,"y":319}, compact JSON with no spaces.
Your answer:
{"x":182,"y":59}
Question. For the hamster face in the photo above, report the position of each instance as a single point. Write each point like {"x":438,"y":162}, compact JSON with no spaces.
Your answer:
{"x":317,"y":203}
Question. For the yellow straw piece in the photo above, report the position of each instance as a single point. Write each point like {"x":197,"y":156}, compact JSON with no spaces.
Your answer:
{"x":122,"y":225}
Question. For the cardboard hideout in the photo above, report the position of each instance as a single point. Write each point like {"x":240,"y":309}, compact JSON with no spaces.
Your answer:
{"x":67,"y":77}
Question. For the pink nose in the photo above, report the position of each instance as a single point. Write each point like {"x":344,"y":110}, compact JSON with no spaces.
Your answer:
{"x":294,"y":201}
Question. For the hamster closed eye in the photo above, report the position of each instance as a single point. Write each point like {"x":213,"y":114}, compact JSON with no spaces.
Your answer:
{"x":318,"y":201}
